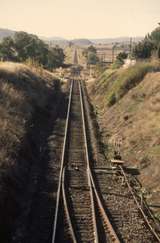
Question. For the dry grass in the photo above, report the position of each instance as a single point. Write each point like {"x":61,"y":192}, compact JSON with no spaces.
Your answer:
{"x":23,"y":91}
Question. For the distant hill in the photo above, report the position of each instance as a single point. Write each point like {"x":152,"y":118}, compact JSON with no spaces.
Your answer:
{"x":86,"y":42}
{"x":64,"y":42}
{"x":79,"y":42}
{"x":82,"y":42}
{"x":55,"y":41}
{"x":118,"y":39}
{"x":6,"y":33}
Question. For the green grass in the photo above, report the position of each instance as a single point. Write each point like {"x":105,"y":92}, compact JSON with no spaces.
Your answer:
{"x":117,"y":64}
{"x":117,"y":83}
{"x":104,"y":78}
{"x":155,"y":150}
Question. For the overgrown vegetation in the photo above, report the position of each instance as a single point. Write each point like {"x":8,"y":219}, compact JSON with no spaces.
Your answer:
{"x":149,"y":46}
{"x":112,"y":99}
{"x":23,"y":46}
{"x":117,"y":64}
{"x":117,"y":83}
{"x":119,"y":60}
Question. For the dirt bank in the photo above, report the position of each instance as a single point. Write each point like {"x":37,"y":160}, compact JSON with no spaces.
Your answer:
{"x":132,"y":118}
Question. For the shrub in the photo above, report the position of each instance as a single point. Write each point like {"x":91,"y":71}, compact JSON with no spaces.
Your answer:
{"x":143,"y":49}
{"x":146,"y":47}
{"x":129,"y":78}
{"x":122,"y":55}
{"x":112,"y":100}
{"x":117,"y":64}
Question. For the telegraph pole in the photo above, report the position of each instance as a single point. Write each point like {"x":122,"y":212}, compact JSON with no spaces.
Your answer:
{"x":113,"y":48}
{"x":75,"y":58}
{"x":130,"y":47}
{"x":113,"y":54}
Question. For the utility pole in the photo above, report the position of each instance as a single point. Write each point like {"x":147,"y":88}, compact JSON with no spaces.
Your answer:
{"x":113,"y":49}
{"x":112,"y":53}
{"x":158,"y":52}
{"x":130,"y":48}
{"x":75,"y":58}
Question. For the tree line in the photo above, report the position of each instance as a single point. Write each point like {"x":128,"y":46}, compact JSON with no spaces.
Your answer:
{"x":148,"y":47}
{"x":23,"y":46}
{"x":91,"y":55}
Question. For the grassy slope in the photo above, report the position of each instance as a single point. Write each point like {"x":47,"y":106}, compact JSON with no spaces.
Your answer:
{"x":134,"y":118}
{"x":23,"y":91}
{"x":118,"y":83}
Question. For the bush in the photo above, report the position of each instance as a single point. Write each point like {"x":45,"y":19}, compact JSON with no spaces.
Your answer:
{"x":112,"y":100}
{"x":117,"y":64}
{"x":122,"y":55}
{"x":150,"y":44}
{"x":143,"y":49}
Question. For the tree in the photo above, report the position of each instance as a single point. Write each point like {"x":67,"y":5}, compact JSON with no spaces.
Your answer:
{"x":29,"y":46}
{"x":55,"y":57}
{"x":25,"y":46}
{"x":155,"y":39}
{"x":122,"y":56}
{"x":91,"y":55}
{"x":155,"y":36}
{"x":119,"y":60}
{"x":143,"y":49}
{"x":150,"y":44}
{"x":92,"y":49}
{"x":92,"y":58}
{"x":7,"y":51}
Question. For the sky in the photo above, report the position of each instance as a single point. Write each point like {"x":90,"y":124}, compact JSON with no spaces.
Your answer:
{"x":81,"y":18}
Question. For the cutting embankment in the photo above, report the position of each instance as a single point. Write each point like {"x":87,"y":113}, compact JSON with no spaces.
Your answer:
{"x":127,"y":104}
{"x":25,"y":97}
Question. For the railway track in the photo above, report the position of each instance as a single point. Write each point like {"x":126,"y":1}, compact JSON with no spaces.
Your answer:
{"x":92,"y":206}
{"x":78,"y":207}
{"x":125,"y":215}
{"x":78,"y":223}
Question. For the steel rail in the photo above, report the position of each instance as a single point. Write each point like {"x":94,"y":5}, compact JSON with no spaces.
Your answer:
{"x":106,"y":218}
{"x":88,"y":166}
{"x":66,"y":208}
{"x":139,"y":207}
{"x":62,"y":165}
{"x":147,"y":207}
